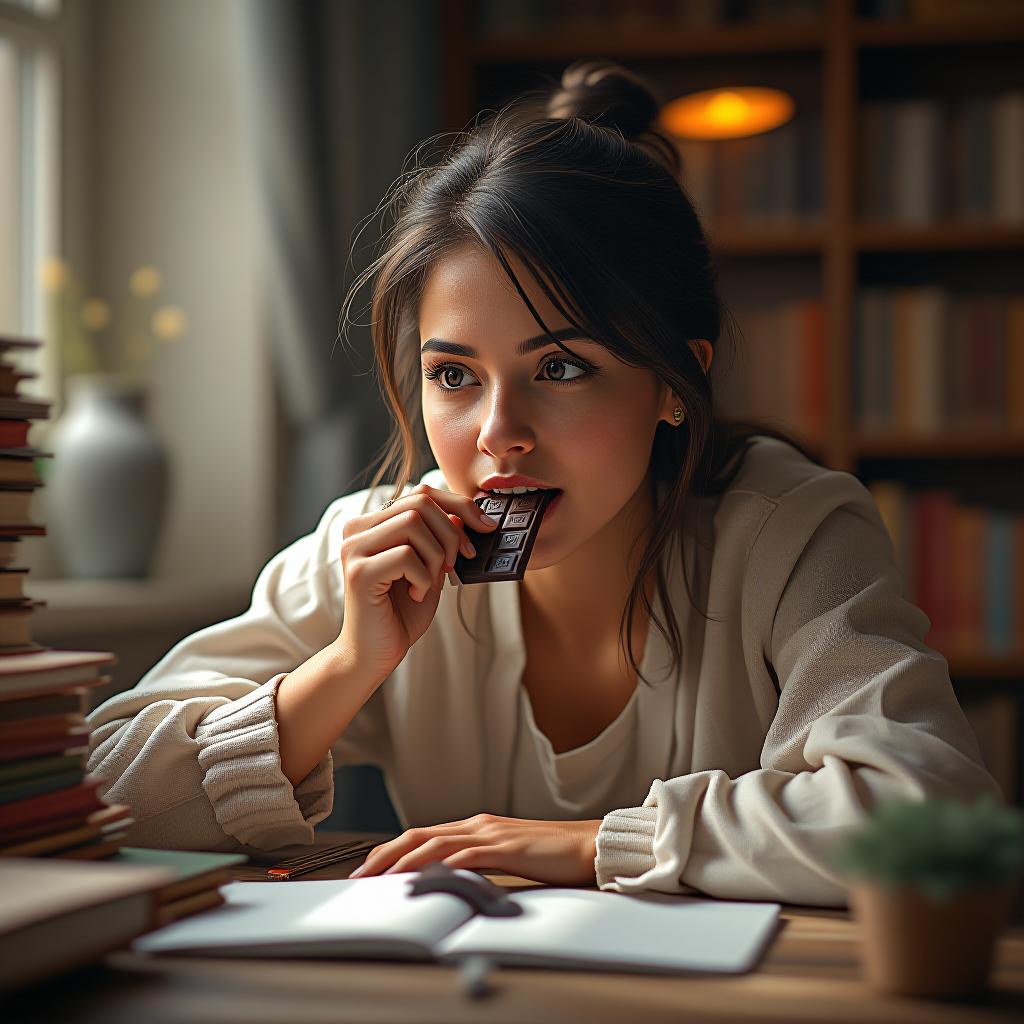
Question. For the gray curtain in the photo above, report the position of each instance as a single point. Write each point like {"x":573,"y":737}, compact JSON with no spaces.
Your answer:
{"x":335,"y":94}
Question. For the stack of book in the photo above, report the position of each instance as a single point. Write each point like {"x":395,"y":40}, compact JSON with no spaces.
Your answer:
{"x":48,"y":804}
{"x":59,"y":914}
{"x":197,"y":879}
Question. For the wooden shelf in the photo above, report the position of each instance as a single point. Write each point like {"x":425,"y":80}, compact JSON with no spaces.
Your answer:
{"x":972,"y":665}
{"x":753,"y":38}
{"x":562,"y":44}
{"x":878,"y":32}
{"x":743,"y":240}
{"x":977,"y":443}
{"x":936,"y":237}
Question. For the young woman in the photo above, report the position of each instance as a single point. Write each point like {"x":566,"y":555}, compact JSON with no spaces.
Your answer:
{"x":708,"y":676}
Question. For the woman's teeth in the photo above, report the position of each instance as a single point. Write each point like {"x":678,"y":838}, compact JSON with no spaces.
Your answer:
{"x":515,"y":490}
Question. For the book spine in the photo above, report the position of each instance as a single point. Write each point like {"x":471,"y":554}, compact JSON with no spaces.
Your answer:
{"x":999,"y":603}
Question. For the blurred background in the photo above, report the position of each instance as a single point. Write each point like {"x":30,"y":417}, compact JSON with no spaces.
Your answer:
{"x":182,"y":183}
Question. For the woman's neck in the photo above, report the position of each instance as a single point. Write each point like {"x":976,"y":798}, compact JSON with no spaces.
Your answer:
{"x":577,"y":604}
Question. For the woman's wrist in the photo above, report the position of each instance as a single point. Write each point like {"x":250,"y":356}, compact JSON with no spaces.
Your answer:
{"x":315,"y":704}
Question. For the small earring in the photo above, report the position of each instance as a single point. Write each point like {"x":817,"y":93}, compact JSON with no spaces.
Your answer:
{"x":677,"y":413}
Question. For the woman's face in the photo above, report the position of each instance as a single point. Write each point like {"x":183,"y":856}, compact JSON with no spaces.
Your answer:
{"x":491,"y":410}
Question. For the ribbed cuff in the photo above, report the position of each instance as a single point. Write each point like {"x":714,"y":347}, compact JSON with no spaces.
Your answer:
{"x":625,"y":844}
{"x":251,"y":796}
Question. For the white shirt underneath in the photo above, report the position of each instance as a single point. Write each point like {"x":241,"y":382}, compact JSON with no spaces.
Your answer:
{"x":602,"y":774}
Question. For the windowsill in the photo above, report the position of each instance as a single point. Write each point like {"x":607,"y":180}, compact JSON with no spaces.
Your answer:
{"x":87,"y":606}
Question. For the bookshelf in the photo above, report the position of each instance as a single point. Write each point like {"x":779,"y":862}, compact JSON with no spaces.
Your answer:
{"x":838,"y":61}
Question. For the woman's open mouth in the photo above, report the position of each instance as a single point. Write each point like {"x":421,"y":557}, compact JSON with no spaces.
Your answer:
{"x":517,"y":491}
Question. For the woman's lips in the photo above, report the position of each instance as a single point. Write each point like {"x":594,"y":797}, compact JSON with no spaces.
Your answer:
{"x":552,"y":505}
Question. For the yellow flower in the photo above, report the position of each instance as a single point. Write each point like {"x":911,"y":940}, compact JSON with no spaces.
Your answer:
{"x":145,"y":282}
{"x":169,"y":322}
{"x":95,"y":314}
{"x":53,"y":274}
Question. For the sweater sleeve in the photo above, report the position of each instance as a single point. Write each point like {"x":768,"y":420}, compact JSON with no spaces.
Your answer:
{"x":193,"y":747}
{"x":866,"y":712}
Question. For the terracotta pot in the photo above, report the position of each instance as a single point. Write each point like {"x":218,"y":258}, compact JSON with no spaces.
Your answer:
{"x":913,"y":945}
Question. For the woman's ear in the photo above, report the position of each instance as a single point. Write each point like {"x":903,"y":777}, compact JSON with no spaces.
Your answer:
{"x":703,"y":351}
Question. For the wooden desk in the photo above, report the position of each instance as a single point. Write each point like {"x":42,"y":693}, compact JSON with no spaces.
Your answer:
{"x":811,"y":972}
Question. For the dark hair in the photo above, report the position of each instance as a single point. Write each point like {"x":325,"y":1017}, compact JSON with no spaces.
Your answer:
{"x":582,"y":187}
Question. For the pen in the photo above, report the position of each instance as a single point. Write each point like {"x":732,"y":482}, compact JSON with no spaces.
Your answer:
{"x":296,"y":866}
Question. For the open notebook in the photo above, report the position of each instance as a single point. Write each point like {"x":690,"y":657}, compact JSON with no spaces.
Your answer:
{"x":378,"y":917}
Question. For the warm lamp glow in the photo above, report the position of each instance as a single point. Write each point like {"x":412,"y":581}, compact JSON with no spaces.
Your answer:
{"x":726,"y":113}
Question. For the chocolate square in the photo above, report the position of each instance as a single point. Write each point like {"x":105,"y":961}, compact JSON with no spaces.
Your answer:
{"x":503,"y":553}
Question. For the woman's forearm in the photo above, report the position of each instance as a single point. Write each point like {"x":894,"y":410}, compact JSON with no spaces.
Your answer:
{"x":315,"y":704}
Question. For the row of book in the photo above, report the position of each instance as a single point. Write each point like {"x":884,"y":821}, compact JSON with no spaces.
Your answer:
{"x":774,"y":178}
{"x":500,"y":18}
{"x":927,"y":359}
{"x":961,"y":563}
{"x":780,"y":371}
{"x":925,"y":160}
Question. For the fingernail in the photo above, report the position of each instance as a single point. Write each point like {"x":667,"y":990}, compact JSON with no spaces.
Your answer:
{"x":453,"y":579}
{"x":470,"y":549}
{"x":358,"y":871}
{"x":487,"y":520}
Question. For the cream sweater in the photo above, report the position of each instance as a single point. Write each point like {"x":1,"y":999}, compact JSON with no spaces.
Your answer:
{"x":807,"y":696}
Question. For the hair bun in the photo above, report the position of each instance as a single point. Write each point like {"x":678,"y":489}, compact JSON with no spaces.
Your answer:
{"x":603,"y":92}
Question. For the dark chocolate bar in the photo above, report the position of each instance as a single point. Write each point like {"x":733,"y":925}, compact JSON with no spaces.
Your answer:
{"x":502,"y":553}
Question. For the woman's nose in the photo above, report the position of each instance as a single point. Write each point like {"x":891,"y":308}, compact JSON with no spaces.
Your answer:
{"x":505,"y":427}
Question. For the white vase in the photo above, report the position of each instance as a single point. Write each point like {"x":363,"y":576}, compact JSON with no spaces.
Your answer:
{"x":108,"y":484}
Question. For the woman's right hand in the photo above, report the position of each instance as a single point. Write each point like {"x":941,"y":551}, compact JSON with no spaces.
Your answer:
{"x":394,"y":563}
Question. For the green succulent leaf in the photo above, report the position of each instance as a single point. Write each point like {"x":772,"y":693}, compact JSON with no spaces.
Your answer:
{"x":940,"y":845}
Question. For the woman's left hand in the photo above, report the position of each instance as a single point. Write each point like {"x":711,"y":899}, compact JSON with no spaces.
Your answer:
{"x":556,"y":852}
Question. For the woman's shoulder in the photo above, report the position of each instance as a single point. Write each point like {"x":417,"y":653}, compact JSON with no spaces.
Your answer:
{"x":773,"y":469}
{"x":781,"y":494}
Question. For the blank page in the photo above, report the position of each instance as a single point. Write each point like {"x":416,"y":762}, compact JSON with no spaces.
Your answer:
{"x":372,"y":916}
{"x":650,"y":932}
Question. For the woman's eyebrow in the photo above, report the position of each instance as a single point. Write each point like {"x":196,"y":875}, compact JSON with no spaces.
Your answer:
{"x":522,"y":349}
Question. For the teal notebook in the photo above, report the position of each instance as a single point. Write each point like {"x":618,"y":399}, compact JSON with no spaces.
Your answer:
{"x":186,"y":864}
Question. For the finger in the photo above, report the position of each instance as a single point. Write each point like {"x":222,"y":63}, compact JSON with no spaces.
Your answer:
{"x":452,"y":503}
{"x":406,"y":528}
{"x":432,"y":850}
{"x":383,"y":856}
{"x":458,"y":504}
{"x":436,"y":520}
{"x":388,"y":567}
{"x":466,"y":546}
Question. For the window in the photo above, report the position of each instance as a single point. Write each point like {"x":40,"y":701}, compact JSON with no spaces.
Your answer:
{"x":30,"y":49}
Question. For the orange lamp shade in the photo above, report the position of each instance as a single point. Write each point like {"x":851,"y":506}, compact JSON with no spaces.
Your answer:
{"x":727,"y":113}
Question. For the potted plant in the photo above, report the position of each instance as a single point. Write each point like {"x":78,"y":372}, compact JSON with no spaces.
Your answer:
{"x":931,"y":883}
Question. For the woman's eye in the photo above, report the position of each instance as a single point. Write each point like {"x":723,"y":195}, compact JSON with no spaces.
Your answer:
{"x":563,"y":364}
